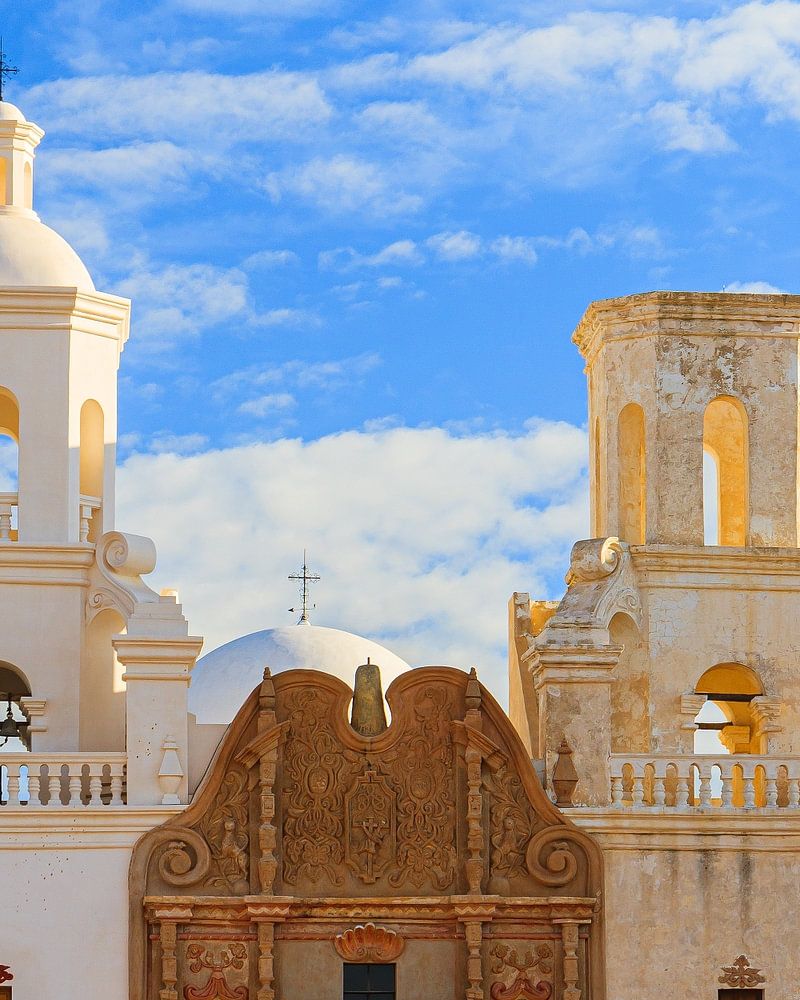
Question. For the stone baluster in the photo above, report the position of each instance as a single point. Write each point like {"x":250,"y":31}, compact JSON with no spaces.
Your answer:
{"x":794,"y":793}
{"x":5,"y":522}
{"x":95,"y":785}
{"x":726,"y":776}
{"x":116,"y":784}
{"x":682,"y":787}
{"x":54,"y":786}
{"x":74,"y":785}
{"x":749,"y":782}
{"x":638,"y":789}
{"x":34,"y":785}
{"x":659,"y":787}
{"x":771,"y":785}
{"x":13,"y":784}
{"x":617,"y":791}
{"x":704,"y":796}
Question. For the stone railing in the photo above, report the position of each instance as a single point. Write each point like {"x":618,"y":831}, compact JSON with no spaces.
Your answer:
{"x":62,"y":780}
{"x":8,"y":505}
{"x":696,"y":781}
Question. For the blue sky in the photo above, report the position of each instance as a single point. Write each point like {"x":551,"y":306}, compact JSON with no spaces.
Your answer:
{"x":357,"y":240}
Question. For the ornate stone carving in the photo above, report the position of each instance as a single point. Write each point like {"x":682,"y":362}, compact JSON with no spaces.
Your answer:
{"x":740,"y":975}
{"x":225,"y":829}
{"x":370,"y":821}
{"x":516,"y":973}
{"x":509,"y":824}
{"x":601,"y":582}
{"x":6,"y":975}
{"x":314,"y":810}
{"x":550,"y":858}
{"x":368,"y":943}
{"x":319,"y":797}
{"x":423,"y":772}
{"x":234,"y":956}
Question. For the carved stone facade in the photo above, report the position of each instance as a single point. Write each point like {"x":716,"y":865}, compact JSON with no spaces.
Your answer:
{"x":309,"y":844}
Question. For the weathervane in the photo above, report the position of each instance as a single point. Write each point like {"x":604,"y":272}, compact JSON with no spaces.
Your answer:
{"x":6,"y":69}
{"x":306,"y":578}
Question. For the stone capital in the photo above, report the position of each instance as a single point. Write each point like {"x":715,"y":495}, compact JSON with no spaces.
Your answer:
{"x":574,"y":665}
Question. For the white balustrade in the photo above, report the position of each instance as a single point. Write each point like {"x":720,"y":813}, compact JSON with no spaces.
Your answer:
{"x":700,"y":782}
{"x":8,"y":506}
{"x":89,"y":507}
{"x":62,"y":780}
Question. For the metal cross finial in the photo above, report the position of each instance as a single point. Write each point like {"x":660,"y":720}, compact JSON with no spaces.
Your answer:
{"x":6,"y":69}
{"x":306,"y":577}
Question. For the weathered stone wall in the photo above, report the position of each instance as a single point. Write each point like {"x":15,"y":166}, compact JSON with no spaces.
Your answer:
{"x":686,"y":896}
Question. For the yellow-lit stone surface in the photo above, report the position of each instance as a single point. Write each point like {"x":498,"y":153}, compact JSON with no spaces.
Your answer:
{"x":700,"y":836}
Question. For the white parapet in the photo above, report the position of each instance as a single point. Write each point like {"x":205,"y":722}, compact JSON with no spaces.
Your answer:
{"x":699,"y":781}
{"x":62,"y":780}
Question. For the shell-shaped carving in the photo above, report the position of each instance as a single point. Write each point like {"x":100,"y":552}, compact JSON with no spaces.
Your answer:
{"x":368,"y":943}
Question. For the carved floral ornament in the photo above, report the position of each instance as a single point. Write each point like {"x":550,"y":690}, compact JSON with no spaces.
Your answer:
{"x":6,"y":975}
{"x":368,"y":943}
{"x":518,"y":973}
{"x":740,"y":975}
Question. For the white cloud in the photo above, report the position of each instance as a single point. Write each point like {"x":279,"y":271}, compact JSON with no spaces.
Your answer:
{"x":286,"y":317}
{"x":514,"y":248}
{"x":754,"y":288}
{"x":267,"y":405}
{"x":398,"y":252}
{"x":420,"y":536}
{"x":462,"y":245}
{"x":325,"y":376}
{"x":164,"y":443}
{"x":342,"y":184}
{"x":194,"y":108}
{"x":181,"y":300}
{"x":270,"y":259}
{"x":681,"y":127}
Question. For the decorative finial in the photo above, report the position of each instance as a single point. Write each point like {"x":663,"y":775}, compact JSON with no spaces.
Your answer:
{"x":368,"y":716}
{"x":6,"y":69}
{"x":306,"y":578}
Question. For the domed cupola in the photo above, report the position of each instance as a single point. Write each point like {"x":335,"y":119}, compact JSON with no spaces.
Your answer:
{"x":31,"y":254}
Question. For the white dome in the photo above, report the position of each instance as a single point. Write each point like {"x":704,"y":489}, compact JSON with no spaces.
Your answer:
{"x":33,"y":254}
{"x":10,"y":112}
{"x":223,"y":678}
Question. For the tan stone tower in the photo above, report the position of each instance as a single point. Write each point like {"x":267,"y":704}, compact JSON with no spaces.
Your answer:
{"x":670,"y":664}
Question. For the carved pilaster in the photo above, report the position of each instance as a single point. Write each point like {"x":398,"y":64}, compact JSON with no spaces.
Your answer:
{"x":474,"y":935}
{"x":569,"y":940}
{"x":475,"y":831}
{"x":266,"y":961}
{"x":168,"y":934}
{"x":765,"y":712}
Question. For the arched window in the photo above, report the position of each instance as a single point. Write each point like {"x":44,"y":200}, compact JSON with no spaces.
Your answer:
{"x":92,"y":461}
{"x":13,"y":688}
{"x":9,"y":464}
{"x":632,"y":481}
{"x":725,"y":722}
{"x":28,"y":185}
{"x":725,"y":472}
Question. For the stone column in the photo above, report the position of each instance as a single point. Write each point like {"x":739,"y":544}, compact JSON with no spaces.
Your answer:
{"x":158,"y":657}
{"x":573,"y":684}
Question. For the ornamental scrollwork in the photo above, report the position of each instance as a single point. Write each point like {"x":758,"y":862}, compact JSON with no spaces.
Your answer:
{"x":368,"y":943}
{"x":550,"y":858}
{"x":185,"y":860}
{"x":314,"y":768}
{"x":517,"y":973}
{"x":422,"y":770}
{"x":225,"y":828}
{"x":741,"y":975}
{"x":509,"y":824}
{"x":234,"y":956}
